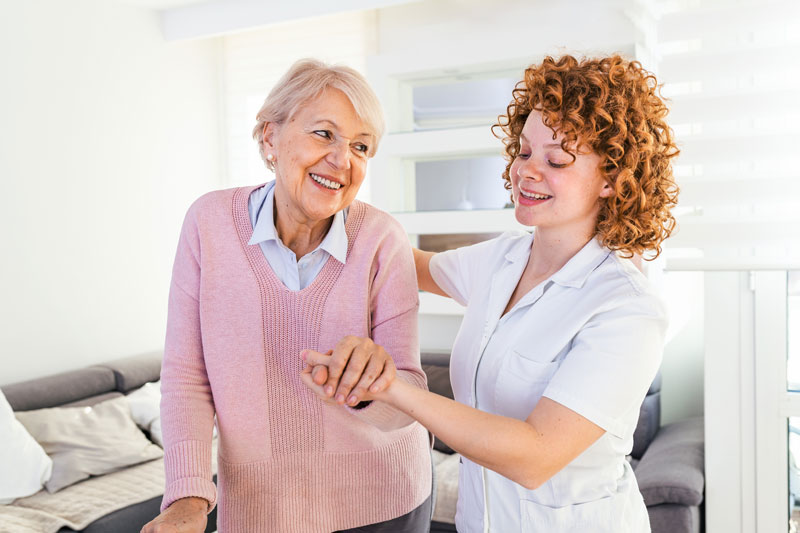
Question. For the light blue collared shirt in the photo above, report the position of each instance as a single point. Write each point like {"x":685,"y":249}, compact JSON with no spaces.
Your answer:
{"x":296,"y":275}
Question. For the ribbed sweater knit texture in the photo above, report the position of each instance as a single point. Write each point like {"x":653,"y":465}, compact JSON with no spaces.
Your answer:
{"x":288,"y":462}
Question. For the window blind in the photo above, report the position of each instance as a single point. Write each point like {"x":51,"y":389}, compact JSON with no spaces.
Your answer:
{"x":732,"y":72}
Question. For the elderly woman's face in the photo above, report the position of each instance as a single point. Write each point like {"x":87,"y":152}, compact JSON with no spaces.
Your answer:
{"x":321,"y":157}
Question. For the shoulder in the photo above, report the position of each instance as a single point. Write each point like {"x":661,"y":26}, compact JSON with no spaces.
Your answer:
{"x":619,"y":284}
{"x":211,"y":201}
{"x":377,"y":224}
{"x":214,"y":204}
{"x":495,"y":252}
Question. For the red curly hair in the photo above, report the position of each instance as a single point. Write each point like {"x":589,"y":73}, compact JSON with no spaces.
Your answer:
{"x":611,"y":105}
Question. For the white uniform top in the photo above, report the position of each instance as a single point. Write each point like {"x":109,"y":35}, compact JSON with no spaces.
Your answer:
{"x":590,"y":337}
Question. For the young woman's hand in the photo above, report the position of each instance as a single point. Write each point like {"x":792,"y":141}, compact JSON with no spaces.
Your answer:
{"x":187,"y":515}
{"x":354,"y":371}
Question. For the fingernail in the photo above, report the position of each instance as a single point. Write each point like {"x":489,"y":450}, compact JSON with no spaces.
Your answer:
{"x":351,"y":400}
{"x":329,"y":390}
{"x":374,"y":388}
{"x":303,"y":355}
{"x":340,"y":398}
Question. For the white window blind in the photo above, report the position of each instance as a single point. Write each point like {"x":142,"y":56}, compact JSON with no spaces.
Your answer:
{"x":732,"y":72}
{"x":255,"y":60}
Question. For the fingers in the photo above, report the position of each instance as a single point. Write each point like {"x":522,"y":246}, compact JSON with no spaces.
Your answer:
{"x":339,"y":361}
{"x":360,"y":357}
{"x":319,"y":374}
{"x":385,"y":379}
{"x":360,"y":392}
{"x":306,"y":377}
{"x":354,"y":371}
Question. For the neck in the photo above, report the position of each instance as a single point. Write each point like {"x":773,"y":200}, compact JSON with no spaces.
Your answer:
{"x":300,"y":235}
{"x":551,"y":250}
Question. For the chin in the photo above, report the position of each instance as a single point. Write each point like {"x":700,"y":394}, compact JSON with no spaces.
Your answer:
{"x":524,"y":218}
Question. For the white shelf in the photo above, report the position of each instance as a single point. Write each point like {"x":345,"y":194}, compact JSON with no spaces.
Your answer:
{"x":442,"y":222}
{"x":433,"y":304}
{"x":473,"y":141}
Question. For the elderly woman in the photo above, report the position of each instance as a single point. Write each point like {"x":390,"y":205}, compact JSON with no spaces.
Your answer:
{"x":562,"y":335}
{"x":263,"y":273}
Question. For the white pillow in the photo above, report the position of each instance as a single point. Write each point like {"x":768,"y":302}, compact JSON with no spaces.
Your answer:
{"x":23,"y":462}
{"x":145,"y":409}
{"x":145,"y":404}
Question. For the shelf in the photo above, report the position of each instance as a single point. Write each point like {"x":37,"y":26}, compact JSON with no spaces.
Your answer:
{"x":475,"y":221}
{"x":471,"y":141}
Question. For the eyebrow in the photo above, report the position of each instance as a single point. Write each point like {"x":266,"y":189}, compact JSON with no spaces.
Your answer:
{"x":336,"y":126}
{"x":549,"y":145}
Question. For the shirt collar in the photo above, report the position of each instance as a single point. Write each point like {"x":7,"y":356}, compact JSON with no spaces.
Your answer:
{"x":335,"y":241}
{"x":577,"y":269}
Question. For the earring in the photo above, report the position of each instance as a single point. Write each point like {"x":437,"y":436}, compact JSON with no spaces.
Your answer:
{"x":270,"y":158}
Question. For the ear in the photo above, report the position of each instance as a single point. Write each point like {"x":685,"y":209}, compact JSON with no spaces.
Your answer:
{"x":607,"y":191}
{"x":268,"y":134}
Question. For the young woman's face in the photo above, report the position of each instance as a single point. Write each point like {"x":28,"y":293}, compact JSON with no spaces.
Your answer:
{"x":549,"y":189}
{"x":321,"y":157}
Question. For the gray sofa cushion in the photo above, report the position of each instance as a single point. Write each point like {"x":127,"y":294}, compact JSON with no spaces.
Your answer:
{"x":672,"y":469}
{"x":52,"y":391}
{"x":669,"y":518}
{"x":648,"y":423}
{"x":132,"y":372}
{"x":437,"y":369}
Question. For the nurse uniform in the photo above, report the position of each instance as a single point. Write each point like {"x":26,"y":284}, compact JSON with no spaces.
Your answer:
{"x":590,"y":337}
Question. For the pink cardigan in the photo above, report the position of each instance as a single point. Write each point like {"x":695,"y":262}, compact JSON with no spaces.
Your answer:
{"x":288,"y":462}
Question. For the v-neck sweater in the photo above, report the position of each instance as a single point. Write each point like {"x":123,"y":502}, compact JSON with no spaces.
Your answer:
{"x":288,"y":461}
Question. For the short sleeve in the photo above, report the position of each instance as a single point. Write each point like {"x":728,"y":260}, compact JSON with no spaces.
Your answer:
{"x":613,"y":359}
{"x":457,"y":271}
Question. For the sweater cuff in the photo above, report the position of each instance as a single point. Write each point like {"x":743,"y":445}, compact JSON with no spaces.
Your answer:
{"x":187,"y":466}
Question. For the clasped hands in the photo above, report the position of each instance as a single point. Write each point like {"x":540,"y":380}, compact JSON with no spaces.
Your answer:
{"x":356,"y":370}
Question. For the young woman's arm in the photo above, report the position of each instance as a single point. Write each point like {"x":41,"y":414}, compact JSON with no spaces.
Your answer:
{"x":422,"y":261}
{"x":528,"y":452}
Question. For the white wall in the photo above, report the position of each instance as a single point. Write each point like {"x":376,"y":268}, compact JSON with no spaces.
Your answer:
{"x":107,"y":134}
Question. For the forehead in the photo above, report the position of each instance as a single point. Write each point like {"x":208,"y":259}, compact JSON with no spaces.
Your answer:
{"x":331,"y":107}
{"x":535,"y":130}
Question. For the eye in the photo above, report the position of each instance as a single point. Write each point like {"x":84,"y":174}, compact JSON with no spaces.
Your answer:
{"x":523,"y":156}
{"x":325,"y":134}
{"x":555,"y":164}
{"x":361,"y":147}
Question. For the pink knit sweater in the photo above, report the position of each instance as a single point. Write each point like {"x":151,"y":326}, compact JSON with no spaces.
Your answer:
{"x":288,"y":462}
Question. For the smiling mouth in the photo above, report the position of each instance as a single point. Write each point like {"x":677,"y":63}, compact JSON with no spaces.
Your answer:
{"x":534,"y":196}
{"x":328,"y":184}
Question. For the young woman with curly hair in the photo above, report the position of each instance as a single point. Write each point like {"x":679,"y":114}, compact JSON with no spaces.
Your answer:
{"x":562,"y":335}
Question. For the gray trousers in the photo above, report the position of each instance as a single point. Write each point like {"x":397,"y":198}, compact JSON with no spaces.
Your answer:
{"x":417,"y":521}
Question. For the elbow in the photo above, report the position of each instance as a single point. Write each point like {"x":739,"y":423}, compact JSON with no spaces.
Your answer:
{"x":531,"y":480}
{"x":531,"y":483}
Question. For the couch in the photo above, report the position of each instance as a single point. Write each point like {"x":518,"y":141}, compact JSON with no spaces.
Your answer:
{"x":86,"y":387}
{"x":668,"y":462}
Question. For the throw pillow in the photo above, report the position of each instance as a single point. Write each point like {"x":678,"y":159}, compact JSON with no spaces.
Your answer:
{"x":145,"y":408}
{"x":23,"y":462}
{"x":88,"y":441}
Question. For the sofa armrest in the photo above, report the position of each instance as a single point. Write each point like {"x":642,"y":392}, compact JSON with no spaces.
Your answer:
{"x":672,"y":469}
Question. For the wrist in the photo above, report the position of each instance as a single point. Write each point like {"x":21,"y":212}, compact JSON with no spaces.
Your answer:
{"x":193,"y":503}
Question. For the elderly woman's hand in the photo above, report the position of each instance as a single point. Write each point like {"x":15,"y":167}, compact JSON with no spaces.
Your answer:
{"x":354,"y":371}
{"x":187,"y":515}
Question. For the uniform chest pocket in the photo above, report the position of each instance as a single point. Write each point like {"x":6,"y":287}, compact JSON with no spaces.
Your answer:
{"x":521,"y":381}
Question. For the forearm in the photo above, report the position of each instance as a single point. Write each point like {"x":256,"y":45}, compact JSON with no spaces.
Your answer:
{"x":385,"y":416}
{"x":505,"y":445}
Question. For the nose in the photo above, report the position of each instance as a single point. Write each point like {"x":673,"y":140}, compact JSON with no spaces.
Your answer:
{"x":339,"y":156}
{"x":530,"y":170}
